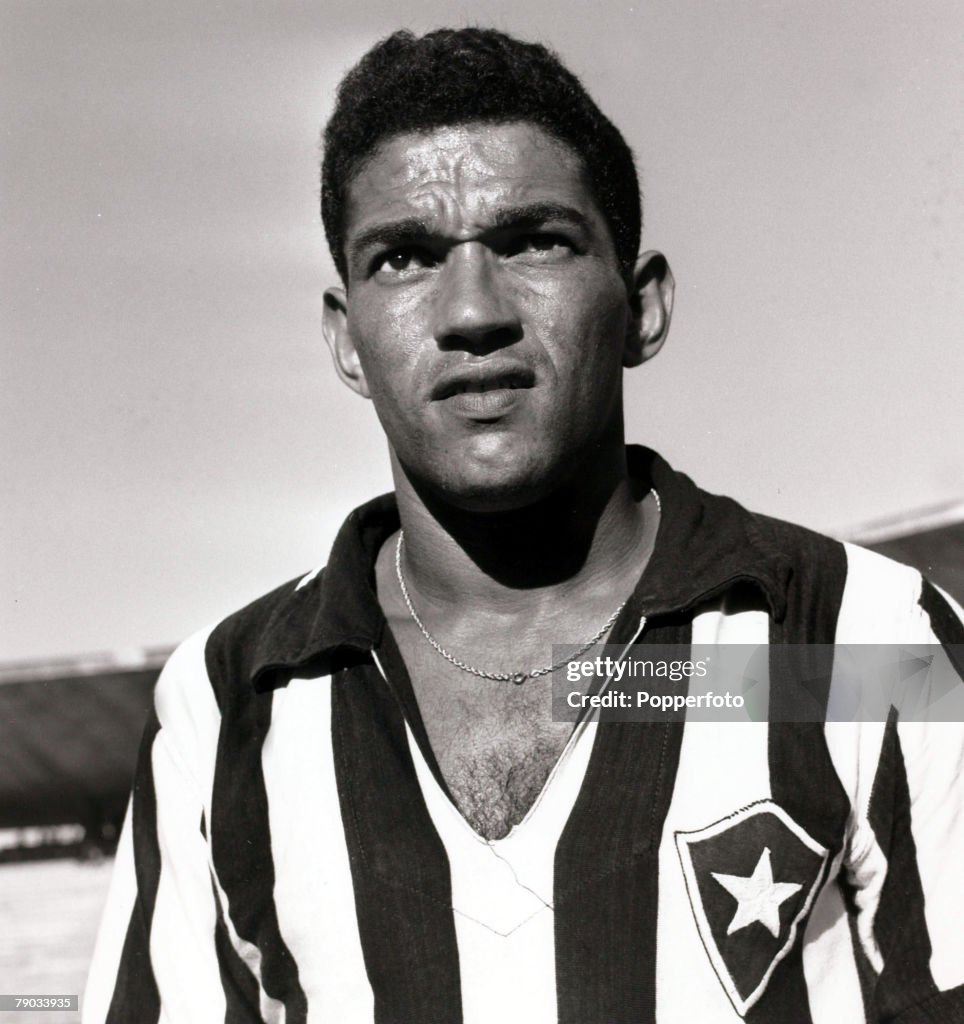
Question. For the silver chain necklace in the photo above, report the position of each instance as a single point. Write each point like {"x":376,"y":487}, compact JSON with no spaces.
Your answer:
{"x":502,"y":677}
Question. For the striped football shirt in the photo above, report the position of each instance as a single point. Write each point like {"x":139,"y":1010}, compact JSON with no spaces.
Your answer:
{"x":292,"y":854}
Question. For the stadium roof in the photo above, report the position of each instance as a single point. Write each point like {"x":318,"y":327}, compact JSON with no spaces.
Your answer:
{"x":69,"y":731}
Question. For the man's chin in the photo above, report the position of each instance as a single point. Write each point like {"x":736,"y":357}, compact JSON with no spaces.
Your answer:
{"x":492,"y":501}
{"x":487,"y":488}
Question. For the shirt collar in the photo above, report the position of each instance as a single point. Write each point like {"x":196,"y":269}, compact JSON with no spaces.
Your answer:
{"x":705,"y":544}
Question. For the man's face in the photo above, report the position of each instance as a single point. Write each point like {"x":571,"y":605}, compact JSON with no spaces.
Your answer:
{"x":486,"y":315}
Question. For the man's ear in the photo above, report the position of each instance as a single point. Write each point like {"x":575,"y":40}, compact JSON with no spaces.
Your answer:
{"x":651,"y":300}
{"x":334,"y":326}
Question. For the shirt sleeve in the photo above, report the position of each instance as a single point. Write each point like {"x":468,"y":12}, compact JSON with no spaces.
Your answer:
{"x":909,"y":870}
{"x":155,"y":959}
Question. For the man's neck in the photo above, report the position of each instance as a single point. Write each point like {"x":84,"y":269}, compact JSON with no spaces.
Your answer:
{"x":587,"y":534}
{"x":496,"y":591}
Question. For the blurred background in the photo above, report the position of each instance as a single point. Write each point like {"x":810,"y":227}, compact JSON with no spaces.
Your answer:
{"x":175,"y":442}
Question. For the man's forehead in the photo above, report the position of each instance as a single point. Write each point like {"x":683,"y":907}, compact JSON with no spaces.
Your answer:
{"x":470,"y":169}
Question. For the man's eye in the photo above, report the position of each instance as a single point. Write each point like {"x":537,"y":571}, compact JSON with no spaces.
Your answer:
{"x":540,"y":244}
{"x":403,"y":259}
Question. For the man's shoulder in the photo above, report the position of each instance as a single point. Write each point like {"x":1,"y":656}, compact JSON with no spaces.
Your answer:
{"x":230,"y":650}
{"x":819,"y":552}
{"x":309,"y":623}
{"x":826,"y":585}
{"x":265,"y":633}
{"x":868,"y":596}
{"x":266,"y":612}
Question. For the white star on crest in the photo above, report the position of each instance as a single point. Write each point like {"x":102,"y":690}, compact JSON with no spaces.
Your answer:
{"x":758,"y":897}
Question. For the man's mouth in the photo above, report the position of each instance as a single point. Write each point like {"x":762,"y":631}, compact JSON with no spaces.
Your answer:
{"x":480,"y":379}
{"x":481,"y":386}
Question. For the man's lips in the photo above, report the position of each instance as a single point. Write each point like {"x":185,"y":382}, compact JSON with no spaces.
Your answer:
{"x":484,"y":406}
{"x":481,"y":378}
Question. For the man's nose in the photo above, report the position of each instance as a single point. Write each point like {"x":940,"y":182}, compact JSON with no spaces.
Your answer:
{"x":474,"y":307}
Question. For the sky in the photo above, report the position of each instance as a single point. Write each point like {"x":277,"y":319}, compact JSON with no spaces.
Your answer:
{"x":175,"y":441}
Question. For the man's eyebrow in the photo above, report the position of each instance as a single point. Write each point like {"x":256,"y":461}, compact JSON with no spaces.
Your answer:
{"x":409,"y":229}
{"x":390,"y":234}
{"x":533,"y":215}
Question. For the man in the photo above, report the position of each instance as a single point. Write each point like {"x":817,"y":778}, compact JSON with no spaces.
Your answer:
{"x":353,"y":803}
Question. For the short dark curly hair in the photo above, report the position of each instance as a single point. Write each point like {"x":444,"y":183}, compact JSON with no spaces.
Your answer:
{"x":461,"y":76}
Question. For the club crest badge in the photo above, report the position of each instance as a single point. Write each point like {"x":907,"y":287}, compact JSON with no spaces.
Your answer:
{"x":751,"y":879}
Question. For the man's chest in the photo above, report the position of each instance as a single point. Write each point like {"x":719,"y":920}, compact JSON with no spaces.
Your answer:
{"x":662,"y":844}
{"x":495,"y":743}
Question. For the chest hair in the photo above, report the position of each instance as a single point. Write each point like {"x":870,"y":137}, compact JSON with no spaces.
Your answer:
{"x":495,"y":744}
